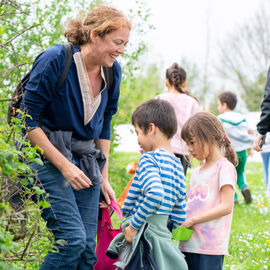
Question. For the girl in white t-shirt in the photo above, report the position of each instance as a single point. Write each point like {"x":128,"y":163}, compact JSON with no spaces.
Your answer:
{"x":210,"y":192}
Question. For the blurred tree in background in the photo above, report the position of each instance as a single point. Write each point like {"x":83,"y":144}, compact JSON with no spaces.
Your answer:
{"x":245,"y":57}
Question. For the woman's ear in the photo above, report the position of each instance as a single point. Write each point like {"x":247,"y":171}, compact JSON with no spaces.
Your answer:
{"x":167,"y":84}
{"x":93,"y":37}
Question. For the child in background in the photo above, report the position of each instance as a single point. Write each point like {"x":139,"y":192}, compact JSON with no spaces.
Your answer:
{"x":210,"y":192}
{"x":237,"y":130}
{"x":184,"y":104}
{"x":158,"y":190}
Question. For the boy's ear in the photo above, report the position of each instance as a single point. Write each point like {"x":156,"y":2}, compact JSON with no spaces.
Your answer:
{"x":225,"y":105}
{"x":151,"y":128}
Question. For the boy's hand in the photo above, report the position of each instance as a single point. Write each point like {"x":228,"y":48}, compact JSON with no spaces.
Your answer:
{"x":129,"y":233}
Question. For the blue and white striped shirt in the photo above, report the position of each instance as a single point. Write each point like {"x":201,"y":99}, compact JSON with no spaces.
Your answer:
{"x":159,"y":187}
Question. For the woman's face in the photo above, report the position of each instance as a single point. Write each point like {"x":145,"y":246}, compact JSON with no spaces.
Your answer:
{"x":109,"y":47}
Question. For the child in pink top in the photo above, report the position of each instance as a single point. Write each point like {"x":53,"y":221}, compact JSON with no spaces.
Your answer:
{"x":210,"y":193}
{"x":184,"y":104}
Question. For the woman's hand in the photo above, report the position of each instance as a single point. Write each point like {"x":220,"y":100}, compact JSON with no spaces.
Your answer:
{"x":129,"y":233}
{"x":256,"y":143}
{"x":108,"y":193}
{"x":76,"y":178}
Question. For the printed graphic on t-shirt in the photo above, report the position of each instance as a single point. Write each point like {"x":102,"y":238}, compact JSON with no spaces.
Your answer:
{"x":199,"y":191}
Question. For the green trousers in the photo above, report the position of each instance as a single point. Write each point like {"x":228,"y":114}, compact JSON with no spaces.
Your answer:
{"x":240,"y":169}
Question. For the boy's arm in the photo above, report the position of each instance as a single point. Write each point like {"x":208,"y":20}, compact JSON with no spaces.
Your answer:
{"x":179,"y":213}
{"x":223,"y":209}
{"x":132,"y":196}
{"x":152,"y":189}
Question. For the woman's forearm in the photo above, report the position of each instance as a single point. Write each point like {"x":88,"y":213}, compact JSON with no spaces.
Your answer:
{"x":105,"y":145}
{"x":72,"y":173}
{"x":39,"y":138}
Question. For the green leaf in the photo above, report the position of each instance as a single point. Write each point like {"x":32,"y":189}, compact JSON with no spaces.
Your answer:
{"x":61,"y":242}
{"x":38,"y":161}
{"x":24,"y":182}
{"x":43,"y":204}
{"x":8,"y":169}
{"x":38,"y":190}
{"x":31,"y":180}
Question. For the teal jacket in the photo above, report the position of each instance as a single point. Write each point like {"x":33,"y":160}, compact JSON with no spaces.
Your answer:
{"x":166,"y":255}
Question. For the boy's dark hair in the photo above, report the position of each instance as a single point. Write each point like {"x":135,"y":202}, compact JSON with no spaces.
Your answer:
{"x":156,"y":111}
{"x":229,"y":98}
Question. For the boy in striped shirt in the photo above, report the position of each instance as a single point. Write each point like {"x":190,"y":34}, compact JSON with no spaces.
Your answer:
{"x":158,"y":192}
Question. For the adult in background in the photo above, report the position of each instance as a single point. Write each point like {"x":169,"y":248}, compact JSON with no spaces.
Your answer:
{"x":72,"y":121}
{"x":264,"y":125}
{"x":184,"y":104}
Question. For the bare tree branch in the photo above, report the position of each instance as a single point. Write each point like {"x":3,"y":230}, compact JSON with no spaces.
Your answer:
{"x":20,"y":33}
{"x":246,"y":53}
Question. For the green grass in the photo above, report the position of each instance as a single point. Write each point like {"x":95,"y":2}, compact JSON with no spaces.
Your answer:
{"x":249,"y":246}
{"x":118,"y":174}
{"x":250,"y":234}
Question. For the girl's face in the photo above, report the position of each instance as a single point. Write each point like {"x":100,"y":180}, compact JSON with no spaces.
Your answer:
{"x":198,"y":150}
{"x":109,"y":47}
{"x":145,"y":141}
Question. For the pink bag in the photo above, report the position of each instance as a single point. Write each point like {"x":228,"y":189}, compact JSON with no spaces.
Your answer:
{"x":105,"y":235}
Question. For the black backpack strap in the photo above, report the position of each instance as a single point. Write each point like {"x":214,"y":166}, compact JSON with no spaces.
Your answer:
{"x":68,"y":59}
{"x":108,"y":73}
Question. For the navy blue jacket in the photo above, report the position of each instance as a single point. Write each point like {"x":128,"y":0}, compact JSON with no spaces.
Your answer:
{"x":64,"y":111}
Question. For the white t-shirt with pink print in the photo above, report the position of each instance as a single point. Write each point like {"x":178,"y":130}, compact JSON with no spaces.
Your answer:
{"x":211,"y":237}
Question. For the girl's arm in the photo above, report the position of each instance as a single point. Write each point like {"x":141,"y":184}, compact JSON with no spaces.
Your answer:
{"x":223,"y":209}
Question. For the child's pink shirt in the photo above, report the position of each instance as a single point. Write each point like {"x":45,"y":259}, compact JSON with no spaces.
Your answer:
{"x":184,"y":106}
{"x":212,"y":237}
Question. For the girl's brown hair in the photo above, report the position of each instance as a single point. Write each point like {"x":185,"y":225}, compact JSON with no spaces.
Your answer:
{"x":176,"y":77}
{"x":206,"y":128}
{"x":102,"y":20}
